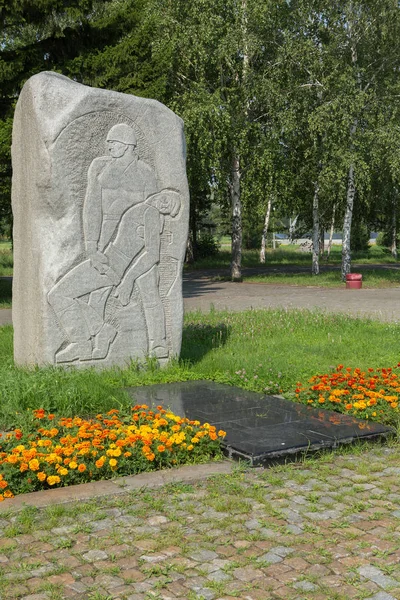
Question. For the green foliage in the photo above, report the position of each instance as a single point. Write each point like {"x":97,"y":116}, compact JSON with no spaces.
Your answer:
{"x":206,"y":245}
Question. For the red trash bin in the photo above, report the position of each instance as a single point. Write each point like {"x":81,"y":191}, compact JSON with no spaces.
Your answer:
{"x":353,"y":281}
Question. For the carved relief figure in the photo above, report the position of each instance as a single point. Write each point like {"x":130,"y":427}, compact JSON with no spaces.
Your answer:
{"x":123,"y":218}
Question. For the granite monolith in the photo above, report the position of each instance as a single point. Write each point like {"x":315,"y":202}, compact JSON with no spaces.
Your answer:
{"x":100,"y":203}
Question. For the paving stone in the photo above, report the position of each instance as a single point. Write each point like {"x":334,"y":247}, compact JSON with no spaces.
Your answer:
{"x":153,"y":558}
{"x":377,"y":576}
{"x":205,"y":593}
{"x":157,"y":520}
{"x":247,"y":574}
{"x":94,"y":555}
{"x":306,"y":586}
{"x":203,"y":555}
{"x":270,"y":557}
{"x":218,"y":576}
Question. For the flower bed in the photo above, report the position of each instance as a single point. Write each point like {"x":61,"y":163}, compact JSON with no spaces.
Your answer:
{"x":372,"y":394}
{"x":52,"y":452}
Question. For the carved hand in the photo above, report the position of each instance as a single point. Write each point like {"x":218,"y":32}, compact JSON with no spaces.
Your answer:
{"x":124,"y":292}
{"x":99,"y":262}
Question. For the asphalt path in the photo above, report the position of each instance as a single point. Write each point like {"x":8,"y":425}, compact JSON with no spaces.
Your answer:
{"x":202,"y":292}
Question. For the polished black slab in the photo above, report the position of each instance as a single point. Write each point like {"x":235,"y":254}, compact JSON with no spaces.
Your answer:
{"x":259,"y":428}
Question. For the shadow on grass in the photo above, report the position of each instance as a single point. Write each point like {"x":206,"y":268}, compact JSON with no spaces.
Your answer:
{"x":5,"y":292}
{"x":199,"y":339}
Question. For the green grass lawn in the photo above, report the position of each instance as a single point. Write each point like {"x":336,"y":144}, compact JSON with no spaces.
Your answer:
{"x":293,"y":255}
{"x":266,"y":350}
{"x":372,"y":278}
{"x":6,"y":258}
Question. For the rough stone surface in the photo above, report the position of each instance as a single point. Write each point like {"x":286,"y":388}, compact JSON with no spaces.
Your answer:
{"x":100,"y":203}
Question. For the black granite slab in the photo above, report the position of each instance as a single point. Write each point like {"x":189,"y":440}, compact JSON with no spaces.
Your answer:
{"x":259,"y":428}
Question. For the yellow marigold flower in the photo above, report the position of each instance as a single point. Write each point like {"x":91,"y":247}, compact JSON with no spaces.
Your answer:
{"x":190,"y":447}
{"x":53,"y":479}
{"x":112,"y":462}
{"x":34,"y":464}
{"x":63,"y":471}
{"x":221,"y":433}
{"x":195,"y":440}
{"x":73,"y":464}
{"x":393,"y":404}
{"x":41,"y":476}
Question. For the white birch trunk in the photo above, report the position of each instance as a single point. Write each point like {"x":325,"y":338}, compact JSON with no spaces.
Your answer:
{"x":332,"y":228}
{"x":265,"y":230}
{"x":315,"y":233}
{"x":351,"y":188}
{"x":393,"y":247}
{"x":292,"y":229}
{"x":346,"y":254}
{"x":234,"y":187}
{"x":236,"y":263}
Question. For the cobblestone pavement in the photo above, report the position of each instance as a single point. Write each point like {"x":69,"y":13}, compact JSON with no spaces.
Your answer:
{"x":326,"y":528}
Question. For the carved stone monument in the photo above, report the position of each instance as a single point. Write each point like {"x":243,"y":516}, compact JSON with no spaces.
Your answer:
{"x":100,"y":203}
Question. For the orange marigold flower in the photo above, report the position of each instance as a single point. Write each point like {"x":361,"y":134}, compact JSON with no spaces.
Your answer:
{"x":151,"y":456}
{"x":23,"y":467}
{"x":3,"y":484}
{"x":8,"y":494}
{"x":82,"y":468}
{"x":348,"y":406}
{"x":53,"y":479}
{"x":100,"y":462}
{"x":34,"y":464}
{"x":39,"y":413}
{"x":161,"y":448}
{"x":41,"y":476}
{"x":393,"y":404}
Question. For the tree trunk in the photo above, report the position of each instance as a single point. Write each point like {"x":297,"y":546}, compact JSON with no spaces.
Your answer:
{"x":315,"y":234}
{"x":346,"y":254}
{"x":189,"y":259}
{"x":292,"y":228}
{"x":331,"y":232}
{"x":265,"y":231}
{"x":234,"y":188}
{"x":393,"y":247}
